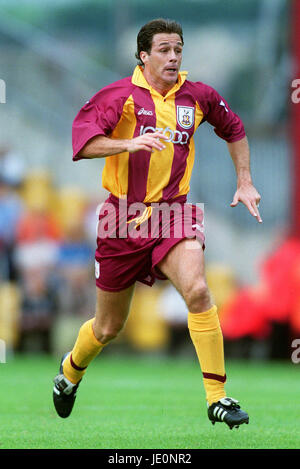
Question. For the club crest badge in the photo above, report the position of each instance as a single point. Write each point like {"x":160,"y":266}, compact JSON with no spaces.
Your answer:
{"x":185,"y":116}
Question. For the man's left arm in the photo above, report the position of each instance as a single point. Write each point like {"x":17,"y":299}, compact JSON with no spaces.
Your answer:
{"x":245,"y":192}
{"x":228,"y":126}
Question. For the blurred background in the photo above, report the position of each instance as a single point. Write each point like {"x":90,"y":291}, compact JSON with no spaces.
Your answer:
{"x":55,"y":55}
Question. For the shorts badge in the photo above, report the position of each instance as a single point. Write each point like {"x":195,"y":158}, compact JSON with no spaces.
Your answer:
{"x":97,"y":269}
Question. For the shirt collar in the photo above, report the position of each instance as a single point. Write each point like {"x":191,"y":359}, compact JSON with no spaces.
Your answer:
{"x":138,"y":79}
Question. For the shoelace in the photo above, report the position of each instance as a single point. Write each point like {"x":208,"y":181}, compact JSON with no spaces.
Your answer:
{"x":230,"y":403}
{"x":234,"y":406}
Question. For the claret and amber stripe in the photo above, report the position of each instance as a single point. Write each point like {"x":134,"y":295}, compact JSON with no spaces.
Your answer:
{"x":78,"y":368}
{"x":160,"y":168}
{"x":139,"y":164}
{"x":220,"y":378}
{"x":160,"y":175}
{"x":130,"y":107}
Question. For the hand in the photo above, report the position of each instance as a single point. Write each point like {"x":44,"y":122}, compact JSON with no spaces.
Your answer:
{"x":248,"y":195}
{"x":147,"y":141}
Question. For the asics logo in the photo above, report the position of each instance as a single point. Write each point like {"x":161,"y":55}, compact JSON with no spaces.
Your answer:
{"x":174,"y":136}
{"x":145,"y":112}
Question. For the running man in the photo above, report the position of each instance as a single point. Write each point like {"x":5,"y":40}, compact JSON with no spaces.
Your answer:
{"x":143,"y":125}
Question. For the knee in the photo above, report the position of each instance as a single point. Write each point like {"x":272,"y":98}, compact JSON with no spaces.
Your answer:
{"x":197,"y":297}
{"x":106,"y":332}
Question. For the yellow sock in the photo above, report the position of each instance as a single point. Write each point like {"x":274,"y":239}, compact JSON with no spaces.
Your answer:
{"x":86,"y":348}
{"x":207,"y":337}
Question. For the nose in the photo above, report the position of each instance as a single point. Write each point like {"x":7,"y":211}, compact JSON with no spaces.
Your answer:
{"x":172,"y":56}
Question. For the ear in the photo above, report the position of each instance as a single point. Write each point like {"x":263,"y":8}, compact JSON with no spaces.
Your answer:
{"x":144,"y":56}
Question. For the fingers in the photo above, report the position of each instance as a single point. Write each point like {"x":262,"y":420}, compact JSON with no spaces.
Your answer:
{"x":144,"y":147}
{"x":154,"y":140}
{"x":255,"y":211}
{"x":158,"y":135}
{"x":252,"y":205}
{"x":235,"y":201}
{"x":148,"y":142}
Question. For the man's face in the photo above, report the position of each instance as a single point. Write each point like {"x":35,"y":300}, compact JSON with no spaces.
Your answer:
{"x":164,"y":61}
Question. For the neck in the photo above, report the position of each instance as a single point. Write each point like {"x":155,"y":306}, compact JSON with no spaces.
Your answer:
{"x":161,"y":87}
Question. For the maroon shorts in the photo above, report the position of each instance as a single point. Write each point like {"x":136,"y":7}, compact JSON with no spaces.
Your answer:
{"x":133,"y":238}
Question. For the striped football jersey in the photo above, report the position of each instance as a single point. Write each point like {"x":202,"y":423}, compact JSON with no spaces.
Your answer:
{"x":131,"y":107}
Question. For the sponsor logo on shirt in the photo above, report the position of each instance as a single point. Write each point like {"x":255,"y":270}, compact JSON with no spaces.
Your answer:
{"x":144,"y":112}
{"x":174,"y":136}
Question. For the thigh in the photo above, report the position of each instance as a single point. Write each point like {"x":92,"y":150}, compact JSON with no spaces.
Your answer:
{"x":184,"y":264}
{"x":112,"y":308}
{"x":121,"y":261}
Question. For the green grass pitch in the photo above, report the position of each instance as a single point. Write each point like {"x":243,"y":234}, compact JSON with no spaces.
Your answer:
{"x":147,"y":403}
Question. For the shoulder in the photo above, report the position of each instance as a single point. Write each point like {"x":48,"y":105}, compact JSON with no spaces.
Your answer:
{"x":201,"y":90}
{"x":119,"y":90}
{"x":206,"y":96}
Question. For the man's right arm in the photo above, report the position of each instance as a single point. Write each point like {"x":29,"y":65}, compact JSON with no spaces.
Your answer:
{"x":101,"y":146}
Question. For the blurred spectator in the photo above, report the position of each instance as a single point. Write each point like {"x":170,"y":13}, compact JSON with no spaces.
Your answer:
{"x":11,"y":209}
{"x":38,"y":222}
{"x":75,"y":255}
{"x":38,"y":310}
{"x":74,"y":270}
{"x":36,"y":263}
{"x":75,"y":267}
{"x":12,"y":168}
{"x":146,"y":330}
{"x":222,"y":284}
{"x":270,"y":308}
{"x":38,"y":237}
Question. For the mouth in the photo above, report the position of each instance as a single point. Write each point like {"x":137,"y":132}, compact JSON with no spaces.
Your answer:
{"x":171,"y":69}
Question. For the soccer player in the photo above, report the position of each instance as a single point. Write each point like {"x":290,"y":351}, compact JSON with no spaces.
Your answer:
{"x":143,"y":125}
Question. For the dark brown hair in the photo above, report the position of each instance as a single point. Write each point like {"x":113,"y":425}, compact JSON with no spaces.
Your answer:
{"x":146,"y":33}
